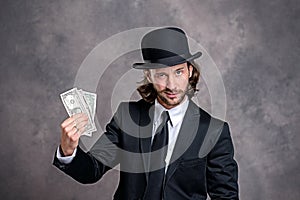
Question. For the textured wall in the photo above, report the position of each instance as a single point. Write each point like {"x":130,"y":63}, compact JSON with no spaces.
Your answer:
{"x":255,"y":44}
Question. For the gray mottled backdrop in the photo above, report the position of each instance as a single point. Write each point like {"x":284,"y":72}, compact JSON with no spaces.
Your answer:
{"x":255,"y":44}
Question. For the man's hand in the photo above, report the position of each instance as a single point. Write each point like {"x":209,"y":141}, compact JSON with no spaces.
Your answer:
{"x":72,"y":128}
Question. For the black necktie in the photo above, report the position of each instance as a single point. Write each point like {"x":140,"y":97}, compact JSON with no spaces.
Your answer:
{"x":156,"y":178}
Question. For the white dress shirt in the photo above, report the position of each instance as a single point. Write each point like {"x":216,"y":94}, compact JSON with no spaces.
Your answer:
{"x":176,"y":116}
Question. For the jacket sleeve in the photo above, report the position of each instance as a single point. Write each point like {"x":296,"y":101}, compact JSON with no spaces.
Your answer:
{"x":91,"y":166}
{"x":84,"y":168}
{"x":222,"y":169}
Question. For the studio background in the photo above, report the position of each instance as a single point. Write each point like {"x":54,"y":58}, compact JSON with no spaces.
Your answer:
{"x":255,"y":44}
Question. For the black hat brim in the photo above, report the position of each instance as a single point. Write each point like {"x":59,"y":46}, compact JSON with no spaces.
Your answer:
{"x":171,"y":62}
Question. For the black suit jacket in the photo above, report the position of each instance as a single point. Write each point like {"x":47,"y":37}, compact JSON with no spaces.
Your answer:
{"x":202,"y":161}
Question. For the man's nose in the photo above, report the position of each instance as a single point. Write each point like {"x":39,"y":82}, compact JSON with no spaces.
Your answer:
{"x":171,"y":83}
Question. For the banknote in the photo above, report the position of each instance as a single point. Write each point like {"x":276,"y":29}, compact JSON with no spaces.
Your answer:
{"x":91,"y":99}
{"x":79,"y":101}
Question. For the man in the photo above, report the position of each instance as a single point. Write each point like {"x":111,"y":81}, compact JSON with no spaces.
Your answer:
{"x":167,"y":147}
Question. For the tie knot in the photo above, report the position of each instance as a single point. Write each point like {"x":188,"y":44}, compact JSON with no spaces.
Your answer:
{"x":165,"y":117}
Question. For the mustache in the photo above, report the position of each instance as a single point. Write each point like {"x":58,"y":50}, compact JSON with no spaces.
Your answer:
{"x":170,"y":91}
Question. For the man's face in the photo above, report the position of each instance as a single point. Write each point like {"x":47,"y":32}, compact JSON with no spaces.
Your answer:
{"x":171,"y":83}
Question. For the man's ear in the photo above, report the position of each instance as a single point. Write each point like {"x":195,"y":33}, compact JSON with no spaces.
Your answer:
{"x":190,"y":71}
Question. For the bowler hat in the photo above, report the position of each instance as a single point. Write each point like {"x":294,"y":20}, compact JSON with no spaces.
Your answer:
{"x":165,"y":47}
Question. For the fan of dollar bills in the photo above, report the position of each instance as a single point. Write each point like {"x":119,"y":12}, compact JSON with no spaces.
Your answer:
{"x":80,"y":101}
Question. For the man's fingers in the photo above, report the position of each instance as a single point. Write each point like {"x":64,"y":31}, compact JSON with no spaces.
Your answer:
{"x":72,"y":129}
{"x":68,"y":128}
{"x":67,"y":122}
{"x":79,"y":121}
{"x":81,"y":124}
{"x":75,"y":137}
{"x":74,"y":119}
{"x":72,"y":132}
{"x":77,"y":125}
{"x":78,"y":116}
{"x":79,"y":128}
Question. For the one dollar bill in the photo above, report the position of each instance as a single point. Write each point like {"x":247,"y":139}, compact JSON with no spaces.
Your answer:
{"x":79,"y":101}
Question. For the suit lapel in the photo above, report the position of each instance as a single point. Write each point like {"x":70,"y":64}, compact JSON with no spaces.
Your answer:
{"x":145,"y":133}
{"x":187,"y":133}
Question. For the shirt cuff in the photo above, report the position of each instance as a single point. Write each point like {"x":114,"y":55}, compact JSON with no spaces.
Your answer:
{"x":65,"y":159}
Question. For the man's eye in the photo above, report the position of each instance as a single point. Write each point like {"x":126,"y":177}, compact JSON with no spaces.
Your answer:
{"x":179,"y":72}
{"x":160,"y":75}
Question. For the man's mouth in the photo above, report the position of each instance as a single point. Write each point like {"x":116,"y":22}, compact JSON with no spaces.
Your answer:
{"x":171,"y":95}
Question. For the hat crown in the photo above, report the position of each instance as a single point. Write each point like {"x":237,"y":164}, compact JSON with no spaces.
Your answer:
{"x":165,"y":47}
{"x":164,"y":43}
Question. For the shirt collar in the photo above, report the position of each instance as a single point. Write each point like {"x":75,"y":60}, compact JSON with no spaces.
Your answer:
{"x":176,"y":114}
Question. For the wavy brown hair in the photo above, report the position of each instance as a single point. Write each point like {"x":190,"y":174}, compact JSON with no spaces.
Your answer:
{"x":149,"y":94}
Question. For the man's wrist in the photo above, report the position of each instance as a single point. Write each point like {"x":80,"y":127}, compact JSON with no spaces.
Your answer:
{"x":61,"y":151}
{"x":64,"y":158}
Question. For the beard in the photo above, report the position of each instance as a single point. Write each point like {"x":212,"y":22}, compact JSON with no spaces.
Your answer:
{"x":169,"y":101}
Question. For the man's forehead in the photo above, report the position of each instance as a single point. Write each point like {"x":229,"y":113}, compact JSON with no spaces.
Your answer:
{"x":171,"y":68}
